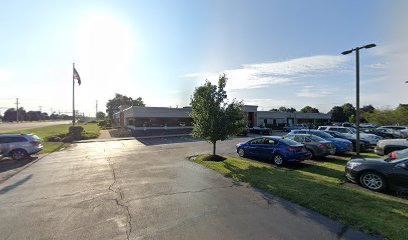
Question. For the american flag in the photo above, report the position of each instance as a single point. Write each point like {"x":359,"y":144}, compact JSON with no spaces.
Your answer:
{"x":77,"y":77}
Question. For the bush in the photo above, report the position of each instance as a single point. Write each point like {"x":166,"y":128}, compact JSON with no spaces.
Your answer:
{"x":104,"y":124}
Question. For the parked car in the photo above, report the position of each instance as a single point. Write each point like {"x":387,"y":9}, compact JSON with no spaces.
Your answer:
{"x":19,"y":146}
{"x":379,"y":174}
{"x":317,"y":146}
{"x":244,"y":132}
{"x":402,"y":131}
{"x":386,"y":146}
{"x":382,"y":132}
{"x":342,"y":145}
{"x":277,"y":149}
{"x":260,"y":130}
{"x":371,"y":138}
{"x":399,"y":154}
{"x":363,"y":144}
{"x":368,"y":125}
{"x":296,"y":126}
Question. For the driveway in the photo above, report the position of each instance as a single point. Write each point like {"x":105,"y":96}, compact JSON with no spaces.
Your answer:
{"x":129,"y":190}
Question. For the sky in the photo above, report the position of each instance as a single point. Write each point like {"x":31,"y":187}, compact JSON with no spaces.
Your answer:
{"x":274,"y":53}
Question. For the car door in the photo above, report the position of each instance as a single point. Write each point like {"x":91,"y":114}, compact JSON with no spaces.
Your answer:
{"x":5,"y":145}
{"x":399,"y":177}
{"x":254,"y":146}
{"x":267,"y":148}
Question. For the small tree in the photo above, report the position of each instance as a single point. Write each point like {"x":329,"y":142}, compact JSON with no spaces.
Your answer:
{"x":100,"y":115}
{"x":213,"y":118}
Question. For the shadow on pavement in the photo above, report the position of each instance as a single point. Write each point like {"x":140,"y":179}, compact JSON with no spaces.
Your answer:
{"x":14,"y":185}
{"x":7,"y":164}
{"x":167,"y":140}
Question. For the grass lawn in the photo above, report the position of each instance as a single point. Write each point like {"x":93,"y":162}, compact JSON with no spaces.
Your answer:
{"x":320,"y":187}
{"x":91,"y":130}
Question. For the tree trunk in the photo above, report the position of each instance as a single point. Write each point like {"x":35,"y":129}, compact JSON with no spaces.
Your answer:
{"x":214,"y":147}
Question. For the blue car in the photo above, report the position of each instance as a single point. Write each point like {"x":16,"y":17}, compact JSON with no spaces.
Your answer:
{"x":277,"y":149}
{"x":342,"y":145}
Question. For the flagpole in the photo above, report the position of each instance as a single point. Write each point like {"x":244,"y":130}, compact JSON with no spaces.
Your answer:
{"x":73,"y":94}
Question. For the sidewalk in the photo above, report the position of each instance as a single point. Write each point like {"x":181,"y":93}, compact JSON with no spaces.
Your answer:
{"x":104,"y":134}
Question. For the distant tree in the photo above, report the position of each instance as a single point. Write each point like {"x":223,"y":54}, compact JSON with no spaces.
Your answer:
{"x":100,"y":115}
{"x":285,"y":109}
{"x":33,"y":116}
{"x":309,"y":109}
{"x":119,"y":99}
{"x":368,"y":108}
{"x":213,"y":118}
{"x":10,"y":115}
{"x":348,"y":110}
{"x":274,"y":110}
{"x":338,"y":114}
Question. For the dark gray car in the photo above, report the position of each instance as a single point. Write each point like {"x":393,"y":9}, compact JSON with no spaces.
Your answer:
{"x":318,"y":146}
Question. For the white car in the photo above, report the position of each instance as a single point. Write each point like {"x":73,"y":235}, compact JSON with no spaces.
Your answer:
{"x":372,"y":139}
{"x":19,"y":146}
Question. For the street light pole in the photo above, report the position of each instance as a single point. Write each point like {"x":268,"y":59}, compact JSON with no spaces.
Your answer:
{"x":358,"y":101}
{"x":357,"y":50}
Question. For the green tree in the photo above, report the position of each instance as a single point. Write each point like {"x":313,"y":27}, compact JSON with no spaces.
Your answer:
{"x":397,"y":116}
{"x":338,"y":114}
{"x":309,"y":109}
{"x":119,"y":99}
{"x":100,"y":115}
{"x":214,"y":118}
{"x":285,"y":109}
{"x":349,"y":110}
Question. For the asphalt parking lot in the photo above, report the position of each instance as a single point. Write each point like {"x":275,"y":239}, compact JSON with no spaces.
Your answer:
{"x":132,"y":190}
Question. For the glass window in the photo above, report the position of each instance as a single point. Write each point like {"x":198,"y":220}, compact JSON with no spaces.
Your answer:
{"x":289,"y":142}
{"x":299,"y":138}
{"x":257,"y":141}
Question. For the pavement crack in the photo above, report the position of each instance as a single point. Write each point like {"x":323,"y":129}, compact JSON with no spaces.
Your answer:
{"x":181,"y":192}
{"x":120,"y":199}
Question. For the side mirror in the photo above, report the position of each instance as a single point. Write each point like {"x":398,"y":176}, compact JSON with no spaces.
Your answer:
{"x":402,"y":165}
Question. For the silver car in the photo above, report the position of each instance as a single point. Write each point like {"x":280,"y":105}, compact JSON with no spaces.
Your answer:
{"x":19,"y":146}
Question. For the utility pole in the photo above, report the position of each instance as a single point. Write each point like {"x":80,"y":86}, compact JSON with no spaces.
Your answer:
{"x":17,"y":110}
{"x":40,"y":107}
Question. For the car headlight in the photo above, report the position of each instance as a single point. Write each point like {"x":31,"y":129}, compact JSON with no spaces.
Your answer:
{"x":353,"y":164}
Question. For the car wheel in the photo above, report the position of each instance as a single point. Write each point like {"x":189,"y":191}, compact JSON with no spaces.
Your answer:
{"x":373,"y":181}
{"x":278,"y":160}
{"x":18,"y":154}
{"x":241,"y":152}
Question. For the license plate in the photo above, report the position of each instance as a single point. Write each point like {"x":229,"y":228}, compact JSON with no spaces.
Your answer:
{"x":332,"y":151}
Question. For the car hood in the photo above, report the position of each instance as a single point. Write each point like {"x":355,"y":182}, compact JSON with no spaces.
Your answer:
{"x":401,"y":141}
{"x":375,"y":161}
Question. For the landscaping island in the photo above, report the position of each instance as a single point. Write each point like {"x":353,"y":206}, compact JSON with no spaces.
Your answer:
{"x":321,"y":187}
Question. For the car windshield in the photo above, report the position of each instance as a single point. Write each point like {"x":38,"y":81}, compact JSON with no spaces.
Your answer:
{"x":289,"y":142}
{"x":316,"y":138}
{"x":322,"y":134}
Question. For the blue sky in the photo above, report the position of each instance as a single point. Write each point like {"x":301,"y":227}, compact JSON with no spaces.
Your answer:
{"x":274,"y":52}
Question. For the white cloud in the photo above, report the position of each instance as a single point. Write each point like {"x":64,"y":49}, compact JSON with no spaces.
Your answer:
{"x":5,"y":75}
{"x":277,"y":73}
{"x":313,"y":92}
{"x":265,"y":104}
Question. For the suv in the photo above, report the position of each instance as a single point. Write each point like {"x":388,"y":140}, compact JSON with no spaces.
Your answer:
{"x":371,"y":138}
{"x":19,"y":146}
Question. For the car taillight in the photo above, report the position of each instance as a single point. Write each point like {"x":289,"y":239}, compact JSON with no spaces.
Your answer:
{"x":393,"y":155}
{"x":321,"y":145}
{"x":34,"y":143}
{"x":293,"y":149}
